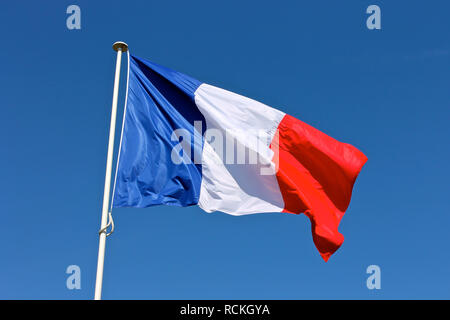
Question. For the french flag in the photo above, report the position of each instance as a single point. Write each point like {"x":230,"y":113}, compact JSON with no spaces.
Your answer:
{"x":186,"y":143}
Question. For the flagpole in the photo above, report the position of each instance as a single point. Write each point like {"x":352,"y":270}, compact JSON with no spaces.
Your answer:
{"x":119,"y":47}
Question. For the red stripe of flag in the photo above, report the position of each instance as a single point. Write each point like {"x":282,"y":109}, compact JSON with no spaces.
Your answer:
{"x":316,"y":174}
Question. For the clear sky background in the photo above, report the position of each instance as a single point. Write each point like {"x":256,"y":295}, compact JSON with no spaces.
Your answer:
{"x":385,"y":91}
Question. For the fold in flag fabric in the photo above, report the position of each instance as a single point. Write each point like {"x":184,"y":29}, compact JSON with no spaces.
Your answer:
{"x":186,"y":143}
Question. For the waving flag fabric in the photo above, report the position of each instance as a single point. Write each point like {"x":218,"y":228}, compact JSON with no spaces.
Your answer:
{"x":186,"y":143}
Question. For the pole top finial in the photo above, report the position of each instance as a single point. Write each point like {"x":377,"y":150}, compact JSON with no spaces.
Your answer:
{"x":120,"y":45}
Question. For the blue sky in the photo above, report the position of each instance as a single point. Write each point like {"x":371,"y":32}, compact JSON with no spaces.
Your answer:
{"x":385,"y":91}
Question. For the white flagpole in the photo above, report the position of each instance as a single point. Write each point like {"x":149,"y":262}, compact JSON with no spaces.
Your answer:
{"x":119,"y":47}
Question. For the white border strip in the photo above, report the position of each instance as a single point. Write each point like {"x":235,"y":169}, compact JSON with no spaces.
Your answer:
{"x":121,"y":133}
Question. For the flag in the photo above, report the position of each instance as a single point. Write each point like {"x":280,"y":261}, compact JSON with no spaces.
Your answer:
{"x":186,"y":143}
